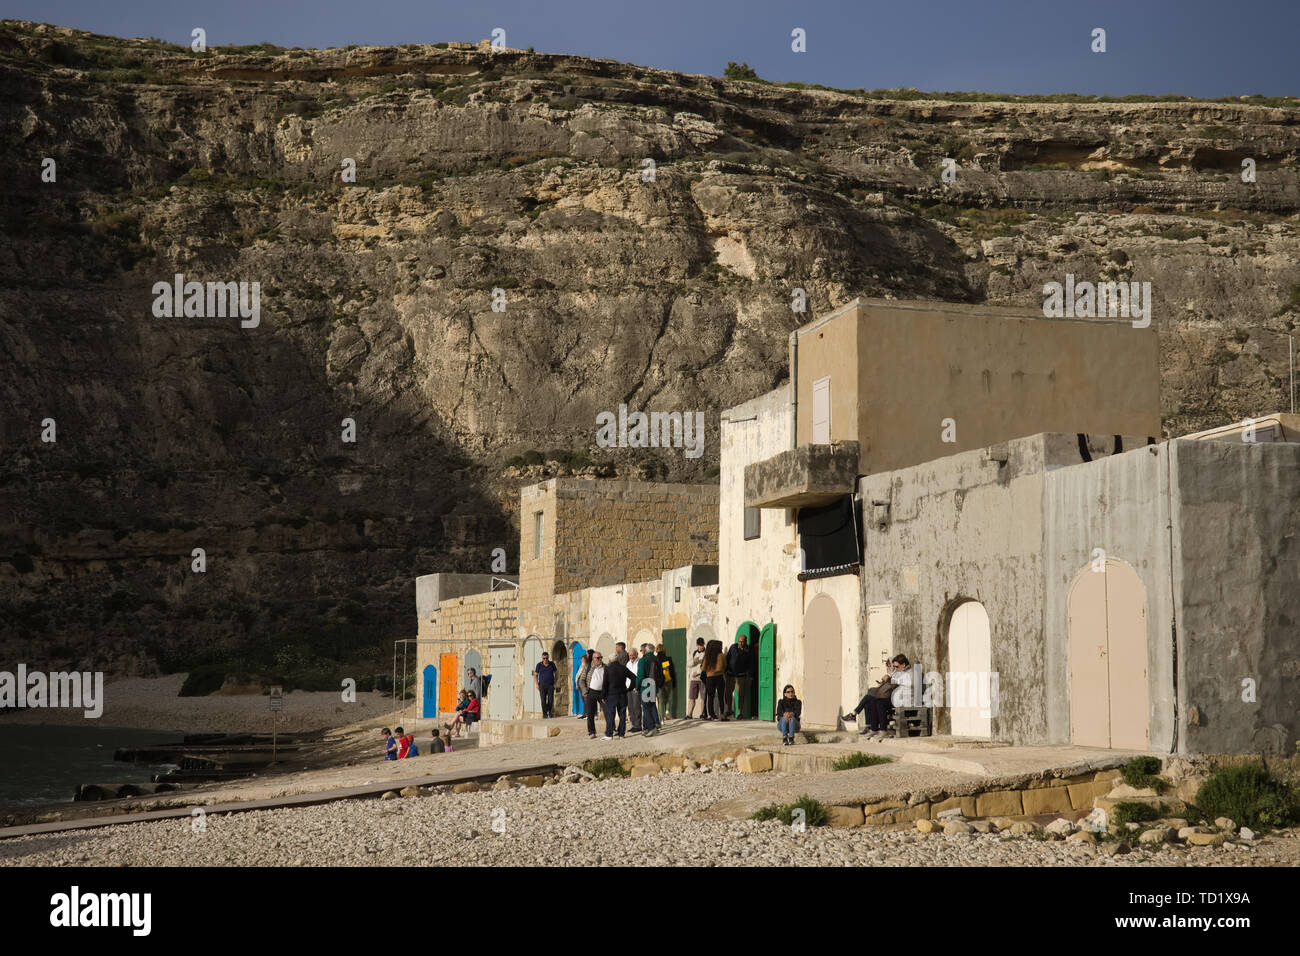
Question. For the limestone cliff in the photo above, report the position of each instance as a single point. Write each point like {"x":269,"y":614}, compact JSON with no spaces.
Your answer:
{"x":526,"y":173}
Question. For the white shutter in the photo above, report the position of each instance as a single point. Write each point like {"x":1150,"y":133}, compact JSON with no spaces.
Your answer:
{"x":821,"y":415}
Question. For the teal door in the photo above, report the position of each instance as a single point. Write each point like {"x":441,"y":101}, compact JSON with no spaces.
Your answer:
{"x":767,"y":673}
{"x":430,"y":691}
{"x":749,"y":631}
{"x":576,"y":696}
{"x":675,"y":644}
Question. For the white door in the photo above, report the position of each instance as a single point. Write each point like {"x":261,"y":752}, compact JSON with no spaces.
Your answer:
{"x":821,"y":427}
{"x":880,"y":641}
{"x":532,"y":657}
{"x":823,"y":658}
{"x":969,"y":663}
{"x":501,"y":692}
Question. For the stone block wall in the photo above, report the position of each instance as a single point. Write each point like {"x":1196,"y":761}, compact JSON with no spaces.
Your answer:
{"x":463,"y":624}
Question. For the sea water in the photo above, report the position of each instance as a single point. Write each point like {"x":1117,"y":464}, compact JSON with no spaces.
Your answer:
{"x":46,"y":764}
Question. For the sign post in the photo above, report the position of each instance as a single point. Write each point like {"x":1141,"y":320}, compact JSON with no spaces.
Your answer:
{"x":277,"y":704}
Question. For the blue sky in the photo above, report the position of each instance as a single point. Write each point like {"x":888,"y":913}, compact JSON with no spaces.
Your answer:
{"x":1193,"y":47}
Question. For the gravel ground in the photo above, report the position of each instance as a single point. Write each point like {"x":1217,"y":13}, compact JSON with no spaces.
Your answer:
{"x":580,"y":824}
{"x":151,"y":703}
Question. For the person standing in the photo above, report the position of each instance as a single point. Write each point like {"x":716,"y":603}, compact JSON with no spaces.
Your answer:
{"x":714,"y":669}
{"x":670,"y":682}
{"x":695,"y":681}
{"x":544,"y":677}
{"x":634,"y":699}
{"x":739,"y":668}
{"x":582,"y":681}
{"x":474,"y":682}
{"x":648,"y":684}
{"x":595,"y":691}
{"x":618,"y":680}
{"x":390,"y":745}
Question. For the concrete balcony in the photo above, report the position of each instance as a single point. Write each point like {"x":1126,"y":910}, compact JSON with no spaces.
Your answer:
{"x":802,"y":477}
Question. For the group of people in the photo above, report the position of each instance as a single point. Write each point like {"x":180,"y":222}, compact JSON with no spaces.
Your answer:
{"x":633,"y":684}
{"x":403,"y":745}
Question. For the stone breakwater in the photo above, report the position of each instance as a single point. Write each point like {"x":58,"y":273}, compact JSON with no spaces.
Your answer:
{"x":577,"y":824}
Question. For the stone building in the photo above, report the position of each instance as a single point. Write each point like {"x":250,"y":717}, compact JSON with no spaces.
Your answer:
{"x":599,"y":561}
{"x":1141,"y":597}
{"x":880,"y":385}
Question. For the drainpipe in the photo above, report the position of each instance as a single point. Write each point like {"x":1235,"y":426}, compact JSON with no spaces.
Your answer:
{"x":794,"y":389}
{"x":1173,"y":595}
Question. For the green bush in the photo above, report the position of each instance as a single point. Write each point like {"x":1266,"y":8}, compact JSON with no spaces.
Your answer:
{"x":1135,"y":812}
{"x":607,"y":767}
{"x":741,"y":71}
{"x":853,"y":761}
{"x":1250,"y":795}
{"x":815,"y":814}
{"x":1141,"y":772}
{"x":203,"y":680}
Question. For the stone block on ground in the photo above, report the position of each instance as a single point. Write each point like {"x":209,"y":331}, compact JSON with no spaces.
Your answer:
{"x":1046,"y":800}
{"x":1225,"y":823}
{"x":754,"y":762}
{"x":965,"y":804}
{"x":1246,"y":833}
{"x":1060,"y":825}
{"x":957,"y":828}
{"x":389,"y":795}
{"x":1082,"y":836}
{"x":845,"y":816}
{"x":1206,"y":839}
{"x":410,"y":791}
{"x":532,"y":780}
{"x":999,"y":803}
{"x":468,"y":786}
{"x":926,"y":826}
{"x":1156,"y":835}
{"x":1021,"y":828}
{"x":646,"y":770}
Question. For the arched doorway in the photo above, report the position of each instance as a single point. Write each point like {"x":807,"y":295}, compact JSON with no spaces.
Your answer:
{"x":749,"y":631}
{"x":532,"y":657}
{"x":766,"y":681}
{"x":579,"y":652}
{"x":1107,"y":628}
{"x":430,"y":708}
{"x":605,"y":647}
{"x":563,"y":678}
{"x":822,"y":661}
{"x":969,"y":665}
{"x":474,"y":662}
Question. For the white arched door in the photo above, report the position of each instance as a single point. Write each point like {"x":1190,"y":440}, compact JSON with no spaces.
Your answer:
{"x":532,"y":657}
{"x":969,"y":665}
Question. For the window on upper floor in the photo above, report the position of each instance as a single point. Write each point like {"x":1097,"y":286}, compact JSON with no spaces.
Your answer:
{"x":753,"y":523}
{"x":539,"y":526}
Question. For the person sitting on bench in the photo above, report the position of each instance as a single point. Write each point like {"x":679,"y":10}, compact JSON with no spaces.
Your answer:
{"x":894,"y":689}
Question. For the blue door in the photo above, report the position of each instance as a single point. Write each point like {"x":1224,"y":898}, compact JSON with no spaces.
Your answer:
{"x":576,"y":696}
{"x":430,"y":691}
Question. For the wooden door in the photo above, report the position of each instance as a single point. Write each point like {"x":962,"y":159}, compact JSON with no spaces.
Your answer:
{"x":576,"y":695}
{"x":821,"y":416}
{"x":767,"y":673}
{"x":969,"y":654}
{"x":448,"y":692}
{"x":1089,"y":667}
{"x":501,"y":691}
{"x":1126,"y":641}
{"x":674,"y":639}
{"x":822,"y":662}
{"x":430,"y":708}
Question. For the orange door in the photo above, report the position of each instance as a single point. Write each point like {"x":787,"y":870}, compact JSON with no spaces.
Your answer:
{"x":448,"y":692}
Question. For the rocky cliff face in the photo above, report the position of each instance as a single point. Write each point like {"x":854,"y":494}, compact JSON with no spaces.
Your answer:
{"x":525,"y":173}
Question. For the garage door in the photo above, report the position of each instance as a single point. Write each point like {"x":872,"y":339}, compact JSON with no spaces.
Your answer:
{"x":501,"y":691}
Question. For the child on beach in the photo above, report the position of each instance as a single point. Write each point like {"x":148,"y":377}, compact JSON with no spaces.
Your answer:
{"x":390,"y":745}
{"x":403,"y":744}
{"x":414,"y":750}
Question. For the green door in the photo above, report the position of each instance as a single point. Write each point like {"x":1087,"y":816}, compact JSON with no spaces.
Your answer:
{"x":675,"y":644}
{"x":767,"y":673}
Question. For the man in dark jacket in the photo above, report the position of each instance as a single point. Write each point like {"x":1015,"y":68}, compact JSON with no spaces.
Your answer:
{"x":739,"y":669}
{"x":618,"y":680}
